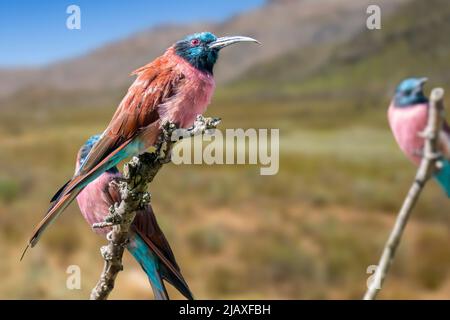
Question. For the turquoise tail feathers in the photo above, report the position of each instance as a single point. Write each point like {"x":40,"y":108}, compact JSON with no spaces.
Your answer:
{"x":443,"y":176}
{"x":150,"y":263}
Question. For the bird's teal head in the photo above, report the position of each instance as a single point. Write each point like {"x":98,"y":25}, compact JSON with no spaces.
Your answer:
{"x":410,"y":92}
{"x":202,"y":49}
{"x":86,"y":148}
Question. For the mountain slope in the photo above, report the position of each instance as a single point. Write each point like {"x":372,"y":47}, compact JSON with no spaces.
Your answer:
{"x":280,"y":25}
{"x":409,"y":43}
{"x":356,"y":78}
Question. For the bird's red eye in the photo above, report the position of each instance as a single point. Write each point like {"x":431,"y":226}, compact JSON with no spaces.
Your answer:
{"x":195,"y":42}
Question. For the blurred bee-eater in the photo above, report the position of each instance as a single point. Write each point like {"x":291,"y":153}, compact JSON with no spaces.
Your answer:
{"x":175,"y":87}
{"x":408,"y":117}
{"x":147,"y":243}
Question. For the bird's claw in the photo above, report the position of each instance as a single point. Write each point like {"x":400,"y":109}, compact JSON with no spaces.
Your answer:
{"x":426,"y":134}
{"x":166,"y":139}
{"x":433,"y":156}
{"x":429,"y":155}
{"x":212,"y":123}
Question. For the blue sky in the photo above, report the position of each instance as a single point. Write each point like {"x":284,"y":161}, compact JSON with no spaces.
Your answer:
{"x":34,"y":33}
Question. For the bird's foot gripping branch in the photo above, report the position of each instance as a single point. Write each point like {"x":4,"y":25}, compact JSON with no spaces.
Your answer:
{"x":138,"y":173}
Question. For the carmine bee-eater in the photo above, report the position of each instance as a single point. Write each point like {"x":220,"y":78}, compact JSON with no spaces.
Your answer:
{"x":147,"y":243}
{"x":175,"y":87}
{"x":408,"y":117}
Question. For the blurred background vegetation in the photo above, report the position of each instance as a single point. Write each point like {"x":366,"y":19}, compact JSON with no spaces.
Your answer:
{"x":310,"y":231}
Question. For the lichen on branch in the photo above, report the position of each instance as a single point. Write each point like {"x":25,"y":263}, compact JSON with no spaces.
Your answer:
{"x":137,"y":174}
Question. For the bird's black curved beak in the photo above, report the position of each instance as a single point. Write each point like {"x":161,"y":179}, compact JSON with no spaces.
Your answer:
{"x":223,"y":42}
{"x":422,"y":81}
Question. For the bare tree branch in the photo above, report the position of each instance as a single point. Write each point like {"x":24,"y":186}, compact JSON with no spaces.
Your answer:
{"x":429,"y":164}
{"x":138,"y":173}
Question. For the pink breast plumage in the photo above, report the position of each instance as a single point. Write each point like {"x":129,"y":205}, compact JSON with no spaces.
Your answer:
{"x":192,"y":98}
{"x":406,"y":123}
{"x":94,"y":205}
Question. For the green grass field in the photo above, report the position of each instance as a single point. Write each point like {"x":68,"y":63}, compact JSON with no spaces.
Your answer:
{"x":310,"y":231}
